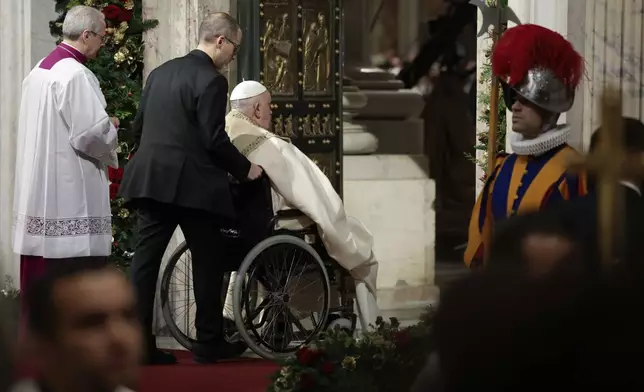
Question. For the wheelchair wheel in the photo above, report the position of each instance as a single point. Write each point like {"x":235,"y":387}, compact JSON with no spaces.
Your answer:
{"x":280,"y":323}
{"x":178,"y":302}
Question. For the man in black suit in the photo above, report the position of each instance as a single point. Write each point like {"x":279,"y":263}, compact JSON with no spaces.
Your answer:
{"x":581,"y":215}
{"x":179,"y":177}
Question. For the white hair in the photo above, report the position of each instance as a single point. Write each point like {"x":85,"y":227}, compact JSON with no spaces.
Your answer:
{"x":82,"y":18}
{"x":246,"y":105}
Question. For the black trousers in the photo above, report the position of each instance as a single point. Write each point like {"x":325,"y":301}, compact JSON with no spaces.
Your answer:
{"x":156,"y":224}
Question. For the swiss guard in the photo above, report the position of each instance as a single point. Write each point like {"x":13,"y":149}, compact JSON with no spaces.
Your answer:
{"x":539,"y":72}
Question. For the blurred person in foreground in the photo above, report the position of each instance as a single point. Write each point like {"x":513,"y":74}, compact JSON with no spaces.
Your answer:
{"x":566,"y":331}
{"x":582,"y":213}
{"x":533,"y":246}
{"x":179,"y":177}
{"x":298,"y":183}
{"x":537,"y":243}
{"x":84,"y":335}
{"x":66,"y":140}
{"x":540,"y":72}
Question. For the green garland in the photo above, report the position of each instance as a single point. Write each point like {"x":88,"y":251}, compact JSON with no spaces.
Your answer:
{"x":386,"y":358}
{"x":119,"y":68}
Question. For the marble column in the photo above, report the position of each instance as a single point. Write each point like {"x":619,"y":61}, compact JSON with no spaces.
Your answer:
{"x":356,"y":140}
{"x":176,"y":35}
{"x":386,"y":182}
{"x":24,"y":39}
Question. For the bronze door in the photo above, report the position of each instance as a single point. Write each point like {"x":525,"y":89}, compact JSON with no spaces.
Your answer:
{"x":293,"y":47}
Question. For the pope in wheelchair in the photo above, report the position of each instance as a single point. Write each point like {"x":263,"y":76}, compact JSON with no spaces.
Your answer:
{"x":291,"y":231}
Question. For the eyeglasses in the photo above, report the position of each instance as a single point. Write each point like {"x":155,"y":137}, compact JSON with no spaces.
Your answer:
{"x":103,"y":37}
{"x":235,"y":46}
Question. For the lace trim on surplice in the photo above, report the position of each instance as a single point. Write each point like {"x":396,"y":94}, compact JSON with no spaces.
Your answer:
{"x":65,"y":227}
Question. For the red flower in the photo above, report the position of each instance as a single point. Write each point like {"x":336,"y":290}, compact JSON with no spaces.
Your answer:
{"x":306,"y":355}
{"x":307,"y":381}
{"x":327,"y":367}
{"x":114,"y":190}
{"x":115,"y":175}
{"x":124,"y":16}
{"x":401,"y":338}
{"x":112,"y":11}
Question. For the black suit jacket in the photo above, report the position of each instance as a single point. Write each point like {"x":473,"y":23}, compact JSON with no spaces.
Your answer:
{"x":184,"y":154}
{"x":582,"y":215}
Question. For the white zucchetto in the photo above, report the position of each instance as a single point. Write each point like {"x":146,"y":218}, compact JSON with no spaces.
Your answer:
{"x":247,"y":89}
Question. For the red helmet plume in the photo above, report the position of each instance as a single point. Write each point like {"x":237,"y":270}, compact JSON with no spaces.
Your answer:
{"x":530,"y":46}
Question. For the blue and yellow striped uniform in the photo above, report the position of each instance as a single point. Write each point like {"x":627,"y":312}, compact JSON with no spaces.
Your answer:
{"x":521,"y":184}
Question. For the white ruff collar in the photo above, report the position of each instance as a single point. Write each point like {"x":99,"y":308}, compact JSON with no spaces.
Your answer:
{"x":542,"y":143}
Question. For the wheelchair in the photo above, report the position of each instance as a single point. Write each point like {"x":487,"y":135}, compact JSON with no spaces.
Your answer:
{"x":261,"y":308}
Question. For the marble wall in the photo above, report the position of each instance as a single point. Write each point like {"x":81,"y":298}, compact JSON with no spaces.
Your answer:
{"x":24,"y":40}
{"x":178,"y":29}
{"x":613,"y":38}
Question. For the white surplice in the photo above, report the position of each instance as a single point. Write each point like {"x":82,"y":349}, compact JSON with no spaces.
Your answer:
{"x":298,"y":183}
{"x":65,"y":143}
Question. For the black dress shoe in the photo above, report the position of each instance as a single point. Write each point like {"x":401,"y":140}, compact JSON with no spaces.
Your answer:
{"x":158,"y":357}
{"x":215,"y":353}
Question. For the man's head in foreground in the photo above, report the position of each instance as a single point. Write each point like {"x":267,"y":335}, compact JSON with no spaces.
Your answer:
{"x":84,"y":328}
{"x":536,"y":243}
{"x":253,"y":100}
{"x":632,"y":141}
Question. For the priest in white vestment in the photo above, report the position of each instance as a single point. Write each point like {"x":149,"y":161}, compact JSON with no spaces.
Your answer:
{"x":298,"y":183}
{"x":66,"y":140}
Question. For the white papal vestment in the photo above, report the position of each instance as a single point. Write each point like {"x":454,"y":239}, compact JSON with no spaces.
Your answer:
{"x":298,"y":183}
{"x":65,"y":142}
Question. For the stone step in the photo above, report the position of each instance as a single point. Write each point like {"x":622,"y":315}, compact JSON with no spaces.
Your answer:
{"x":396,"y":136}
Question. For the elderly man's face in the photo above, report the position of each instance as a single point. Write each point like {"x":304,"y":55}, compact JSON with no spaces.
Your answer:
{"x":263,"y":114}
{"x":94,"y":41}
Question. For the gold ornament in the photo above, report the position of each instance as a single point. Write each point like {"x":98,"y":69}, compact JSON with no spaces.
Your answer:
{"x":129,"y":5}
{"x":123,"y":26}
{"x":119,"y":57}
{"x":118,"y":37}
{"x":349,"y":363}
{"x":124,"y":213}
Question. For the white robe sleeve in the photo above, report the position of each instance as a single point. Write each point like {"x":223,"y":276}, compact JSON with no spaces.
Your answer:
{"x":305,"y":187}
{"x":90,"y":130}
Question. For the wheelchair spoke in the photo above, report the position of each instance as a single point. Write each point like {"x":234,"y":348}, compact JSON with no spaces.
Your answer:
{"x":180,"y":297}
{"x":296,"y":321}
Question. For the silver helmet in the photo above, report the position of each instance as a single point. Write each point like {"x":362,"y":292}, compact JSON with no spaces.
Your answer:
{"x":541,"y":87}
{"x":539,"y":65}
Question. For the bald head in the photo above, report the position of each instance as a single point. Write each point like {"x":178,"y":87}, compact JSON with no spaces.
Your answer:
{"x":219,"y":24}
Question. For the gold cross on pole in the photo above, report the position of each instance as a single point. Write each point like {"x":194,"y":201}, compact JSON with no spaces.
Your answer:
{"x":610,"y":164}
